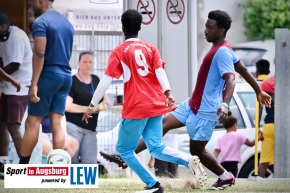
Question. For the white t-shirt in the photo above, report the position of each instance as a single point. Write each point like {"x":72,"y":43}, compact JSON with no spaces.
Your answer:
{"x":17,"y":49}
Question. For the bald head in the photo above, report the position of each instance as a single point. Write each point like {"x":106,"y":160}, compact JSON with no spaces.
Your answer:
{"x":40,"y":6}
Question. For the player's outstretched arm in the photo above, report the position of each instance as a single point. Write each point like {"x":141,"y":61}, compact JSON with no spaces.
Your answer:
{"x":163,"y":81}
{"x":101,"y":89}
{"x":262,"y":96}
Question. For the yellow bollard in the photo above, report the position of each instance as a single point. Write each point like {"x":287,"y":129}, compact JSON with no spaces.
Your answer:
{"x":256,"y":138}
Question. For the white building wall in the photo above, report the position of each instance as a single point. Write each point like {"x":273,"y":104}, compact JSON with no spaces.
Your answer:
{"x":180,"y":45}
{"x":236,"y":33}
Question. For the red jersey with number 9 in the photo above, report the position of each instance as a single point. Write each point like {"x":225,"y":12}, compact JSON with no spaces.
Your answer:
{"x":137,"y":61}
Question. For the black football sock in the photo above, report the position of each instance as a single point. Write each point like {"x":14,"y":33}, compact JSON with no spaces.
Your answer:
{"x":24,"y":160}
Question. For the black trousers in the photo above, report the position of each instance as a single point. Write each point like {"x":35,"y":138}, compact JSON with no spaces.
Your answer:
{"x":231,"y":166}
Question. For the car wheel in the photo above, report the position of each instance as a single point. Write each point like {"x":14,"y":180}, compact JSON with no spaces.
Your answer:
{"x":248,"y":170}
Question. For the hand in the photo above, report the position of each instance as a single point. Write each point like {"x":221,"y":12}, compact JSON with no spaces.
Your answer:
{"x":222,"y":112}
{"x":33,"y":94}
{"x":87,"y":115}
{"x":170,"y":101}
{"x":264,"y":98}
{"x":17,"y":85}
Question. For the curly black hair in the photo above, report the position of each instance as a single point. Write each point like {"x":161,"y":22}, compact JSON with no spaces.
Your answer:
{"x":222,"y":18}
{"x":230,"y":121}
{"x":131,"y":21}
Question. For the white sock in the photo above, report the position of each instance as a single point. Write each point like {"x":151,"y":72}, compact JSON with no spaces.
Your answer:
{"x":4,"y":159}
{"x":225,"y":175}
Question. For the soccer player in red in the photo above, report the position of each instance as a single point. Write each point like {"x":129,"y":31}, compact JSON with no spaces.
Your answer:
{"x":147,"y":97}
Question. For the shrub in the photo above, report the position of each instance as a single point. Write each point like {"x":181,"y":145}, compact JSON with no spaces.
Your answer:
{"x":261,"y":17}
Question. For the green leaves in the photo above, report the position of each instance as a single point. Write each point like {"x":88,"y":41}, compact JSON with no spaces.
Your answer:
{"x":261,"y":17}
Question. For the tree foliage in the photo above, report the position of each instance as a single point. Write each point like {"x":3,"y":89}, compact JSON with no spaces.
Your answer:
{"x":261,"y":17}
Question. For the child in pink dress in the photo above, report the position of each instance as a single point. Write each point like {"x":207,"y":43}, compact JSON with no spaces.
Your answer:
{"x":229,"y":145}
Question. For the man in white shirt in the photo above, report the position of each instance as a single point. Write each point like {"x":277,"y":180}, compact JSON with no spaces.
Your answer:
{"x":16,"y":60}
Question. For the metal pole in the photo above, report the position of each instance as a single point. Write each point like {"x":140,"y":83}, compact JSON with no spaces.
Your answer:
{"x":192,"y":45}
{"x":159,"y":26}
{"x":282,"y":104}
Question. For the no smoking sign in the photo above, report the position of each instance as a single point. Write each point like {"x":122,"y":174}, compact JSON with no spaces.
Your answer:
{"x":175,"y":11}
{"x":147,"y":9}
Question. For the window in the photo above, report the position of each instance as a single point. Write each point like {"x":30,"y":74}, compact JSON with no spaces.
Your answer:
{"x":249,"y":102}
{"x":249,"y":56}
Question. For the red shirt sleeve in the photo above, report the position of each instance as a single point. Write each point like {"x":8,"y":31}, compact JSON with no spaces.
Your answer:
{"x":114,"y":68}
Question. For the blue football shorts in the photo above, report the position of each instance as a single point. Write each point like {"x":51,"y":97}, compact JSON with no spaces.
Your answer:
{"x":198,"y":129}
{"x":53,"y":89}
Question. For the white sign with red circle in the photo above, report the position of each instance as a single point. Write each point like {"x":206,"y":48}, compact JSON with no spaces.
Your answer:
{"x":175,"y":11}
{"x":147,"y":9}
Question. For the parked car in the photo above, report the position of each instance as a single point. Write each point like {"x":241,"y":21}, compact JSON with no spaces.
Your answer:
{"x":242,"y":106}
{"x":251,"y":52}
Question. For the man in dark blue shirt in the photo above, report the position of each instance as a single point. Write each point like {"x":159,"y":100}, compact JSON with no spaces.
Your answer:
{"x":51,"y":79}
